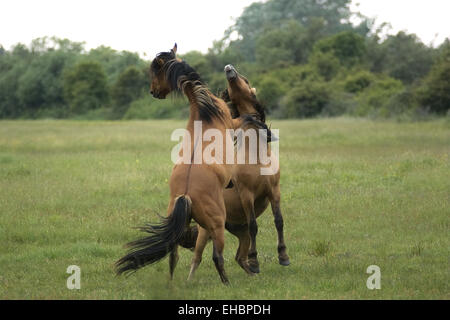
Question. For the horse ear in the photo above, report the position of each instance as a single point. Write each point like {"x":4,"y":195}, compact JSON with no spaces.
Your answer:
{"x":174,"y":49}
{"x":225,"y":95}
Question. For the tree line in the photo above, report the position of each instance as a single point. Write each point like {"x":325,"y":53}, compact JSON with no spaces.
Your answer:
{"x":305,"y":58}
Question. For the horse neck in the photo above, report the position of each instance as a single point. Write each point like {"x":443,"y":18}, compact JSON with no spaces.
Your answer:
{"x":245,"y":109}
{"x":248,"y":109}
{"x":194,"y":104}
{"x":205,"y":107}
{"x":255,"y":152}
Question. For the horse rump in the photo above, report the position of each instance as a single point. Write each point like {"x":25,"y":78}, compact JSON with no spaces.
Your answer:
{"x":189,"y":237}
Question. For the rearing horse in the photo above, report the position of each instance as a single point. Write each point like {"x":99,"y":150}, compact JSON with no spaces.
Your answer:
{"x":196,"y":189}
{"x":252,"y":191}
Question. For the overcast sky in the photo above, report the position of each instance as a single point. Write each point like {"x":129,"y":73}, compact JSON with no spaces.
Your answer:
{"x":148,"y":26}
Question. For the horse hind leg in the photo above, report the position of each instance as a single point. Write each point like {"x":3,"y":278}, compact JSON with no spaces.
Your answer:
{"x":200,"y":244}
{"x":215,"y":224}
{"x":218,"y":246}
{"x":173,"y":260}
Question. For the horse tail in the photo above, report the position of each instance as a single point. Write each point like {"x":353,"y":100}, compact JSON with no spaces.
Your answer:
{"x":162,"y":239}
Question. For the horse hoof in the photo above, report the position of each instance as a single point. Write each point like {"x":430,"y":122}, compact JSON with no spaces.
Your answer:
{"x":254,"y":269}
{"x":285,"y":262}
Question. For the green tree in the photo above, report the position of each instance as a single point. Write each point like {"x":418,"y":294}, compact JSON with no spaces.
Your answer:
{"x":273,"y":13}
{"x":128,"y":87}
{"x":31,"y":80}
{"x":435,"y":92}
{"x":113,"y":62}
{"x":348,"y":46}
{"x":325,"y":64}
{"x":403,"y":57}
{"x":9,"y":102}
{"x":85,"y":87}
{"x":201,"y":63}
{"x":280,"y":47}
{"x":12,"y":65}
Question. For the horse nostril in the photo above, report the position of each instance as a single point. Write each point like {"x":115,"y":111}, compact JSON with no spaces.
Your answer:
{"x":228,"y":68}
{"x":151,"y":92}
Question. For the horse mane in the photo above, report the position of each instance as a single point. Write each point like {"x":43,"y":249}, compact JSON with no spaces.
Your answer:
{"x":260,"y":109}
{"x":234,"y":110}
{"x":180,"y":75}
{"x":225,"y":96}
{"x":251,"y":120}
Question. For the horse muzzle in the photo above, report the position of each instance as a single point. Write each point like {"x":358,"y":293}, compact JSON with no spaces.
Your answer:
{"x":157,"y":95}
{"x":230,"y":72}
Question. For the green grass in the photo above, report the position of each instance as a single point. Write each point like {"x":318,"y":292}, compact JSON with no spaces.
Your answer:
{"x":354,"y":193}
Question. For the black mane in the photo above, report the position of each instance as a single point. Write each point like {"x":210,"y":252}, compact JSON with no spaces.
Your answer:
{"x":180,"y":75}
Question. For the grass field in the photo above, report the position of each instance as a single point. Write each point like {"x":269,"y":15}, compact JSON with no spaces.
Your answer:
{"x":354,"y":193}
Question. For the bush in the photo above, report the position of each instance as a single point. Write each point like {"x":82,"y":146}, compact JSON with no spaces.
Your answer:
{"x":101,"y":113}
{"x":307,"y":99}
{"x":374,"y":100}
{"x":269,"y":91}
{"x":52,"y":112}
{"x":403,"y":105}
{"x":150,"y":108}
{"x":325,"y":64}
{"x":359,"y":81}
{"x":339,"y":103}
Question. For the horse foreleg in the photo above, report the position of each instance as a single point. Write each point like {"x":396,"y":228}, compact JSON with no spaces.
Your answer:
{"x":283,"y":258}
{"x":249,"y":208}
{"x":241,"y":232}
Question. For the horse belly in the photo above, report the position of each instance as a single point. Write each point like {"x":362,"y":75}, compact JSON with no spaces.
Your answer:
{"x":235,"y":212}
{"x":261,"y":205}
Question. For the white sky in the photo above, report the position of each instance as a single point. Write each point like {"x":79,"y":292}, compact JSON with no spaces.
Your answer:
{"x":149,"y":26}
{"x":429,"y":19}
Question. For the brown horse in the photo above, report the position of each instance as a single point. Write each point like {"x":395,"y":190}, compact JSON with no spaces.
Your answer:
{"x":252,"y":191}
{"x":196,"y":189}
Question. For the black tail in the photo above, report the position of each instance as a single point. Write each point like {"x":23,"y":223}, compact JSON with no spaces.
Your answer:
{"x":163,"y":238}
